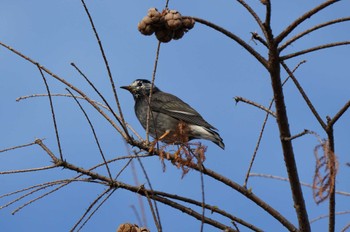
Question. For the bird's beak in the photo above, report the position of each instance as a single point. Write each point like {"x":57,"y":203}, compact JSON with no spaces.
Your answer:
{"x":128,"y":88}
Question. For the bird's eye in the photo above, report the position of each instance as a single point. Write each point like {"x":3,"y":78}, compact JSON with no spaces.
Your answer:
{"x":139,"y":83}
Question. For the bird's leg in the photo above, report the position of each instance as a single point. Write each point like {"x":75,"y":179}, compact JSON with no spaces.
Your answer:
{"x":151,"y":149}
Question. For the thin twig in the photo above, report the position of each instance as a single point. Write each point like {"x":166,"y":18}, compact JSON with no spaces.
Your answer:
{"x":52,"y":112}
{"x":70,"y":86}
{"x":17,"y":147}
{"x":324,"y":46}
{"x":229,"y":34}
{"x":152,"y":209}
{"x":122,"y":170}
{"x":346,"y":228}
{"x":39,"y":197}
{"x":157,"y":219}
{"x":339,"y":114}
{"x":150,"y":95}
{"x":80,"y":97}
{"x":257,"y":147}
{"x":326,"y":216}
{"x":254,"y":15}
{"x":213,"y":209}
{"x":89,"y":208}
{"x":298,"y":135}
{"x":257,"y":37}
{"x":301,"y":19}
{"x":306,"y":98}
{"x":267,"y":110}
{"x":137,"y":215}
{"x":28,"y":170}
{"x":263,"y":129}
{"x":58,"y":95}
{"x":287,"y":180}
{"x":96,"y":209}
{"x":308,"y":31}
{"x":137,"y":183}
{"x":34,"y":189}
{"x":93,"y":132}
{"x":119,"y":119}
{"x":48,"y":151}
{"x":106,"y":64}
{"x":202,"y":191}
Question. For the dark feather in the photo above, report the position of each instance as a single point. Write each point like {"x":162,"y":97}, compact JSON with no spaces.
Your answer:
{"x":169,"y":104}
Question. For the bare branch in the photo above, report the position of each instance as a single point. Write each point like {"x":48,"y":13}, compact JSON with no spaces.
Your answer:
{"x":157,"y":218}
{"x":267,"y":110}
{"x":339,"y":114}
{"x":267,"y":3}
{"x":48,"y":151}
{"x":324,"y":46}
{"x":17,"y":147}
{"x":52,"y":112}
{"x":308,"y":31}
{"x":70,"y":86}
{"x":261,"y":59}
{"x":151,"y":93}
{"x":96,"y":209}
{"x":254,"y":14}
{"x":263,"y":129}
{"x":213,"y":209}
{"x":287,"y":180}
{"x":119,"y":119}
{"x":301,"y":19}
{"x":80,"y":97}
{"x":93,"y":132}
{"x":89,"y":208}
{"x":257,"y":37}
{"x":28,"y":170}
{"x":257,"y":147}
{"x":299,"y":135}
{"x":106,"y":64}
{"x":58,"y":95}
{"x":306,"y":98}
{"x":326,"y":216}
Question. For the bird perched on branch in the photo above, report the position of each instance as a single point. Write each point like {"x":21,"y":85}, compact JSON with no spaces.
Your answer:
{"x":171,"y":120}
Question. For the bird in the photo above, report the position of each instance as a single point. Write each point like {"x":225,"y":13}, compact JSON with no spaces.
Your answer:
{"x":171,"y":120}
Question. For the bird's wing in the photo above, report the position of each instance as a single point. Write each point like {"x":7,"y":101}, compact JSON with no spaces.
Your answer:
{"x":173,"y":106}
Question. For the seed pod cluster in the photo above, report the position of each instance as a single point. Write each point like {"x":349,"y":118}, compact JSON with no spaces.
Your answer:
{"x":167,"y":25}
{"x":128,"y":227}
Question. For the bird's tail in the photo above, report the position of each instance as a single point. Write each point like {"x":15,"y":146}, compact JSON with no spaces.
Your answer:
{"x":200,"y":132}
{"x":217,"y":139}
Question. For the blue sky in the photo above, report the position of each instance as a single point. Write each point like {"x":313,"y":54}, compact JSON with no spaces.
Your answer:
{"x":204,"y":68}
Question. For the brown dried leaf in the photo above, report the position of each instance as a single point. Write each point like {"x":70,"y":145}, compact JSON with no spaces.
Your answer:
{"x":325,"y":172}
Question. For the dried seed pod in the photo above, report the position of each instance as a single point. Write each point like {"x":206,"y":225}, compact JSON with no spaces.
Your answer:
{"x":128,"y":227}
{"x":173,"y":19}
{"x":164,"y":35}
{"x":154,"y":15}
{"x":188,"y":23}
{"x":145,"y":26}
{"x":178,"y":34}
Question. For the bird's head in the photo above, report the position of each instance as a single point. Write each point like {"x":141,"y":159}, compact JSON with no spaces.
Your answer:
{"x":140,"y":88}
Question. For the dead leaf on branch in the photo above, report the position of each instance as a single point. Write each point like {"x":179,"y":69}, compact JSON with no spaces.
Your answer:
{"x":325,"y":172}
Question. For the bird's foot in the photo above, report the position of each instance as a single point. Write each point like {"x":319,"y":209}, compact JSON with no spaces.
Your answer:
{"x":153,"y":144}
